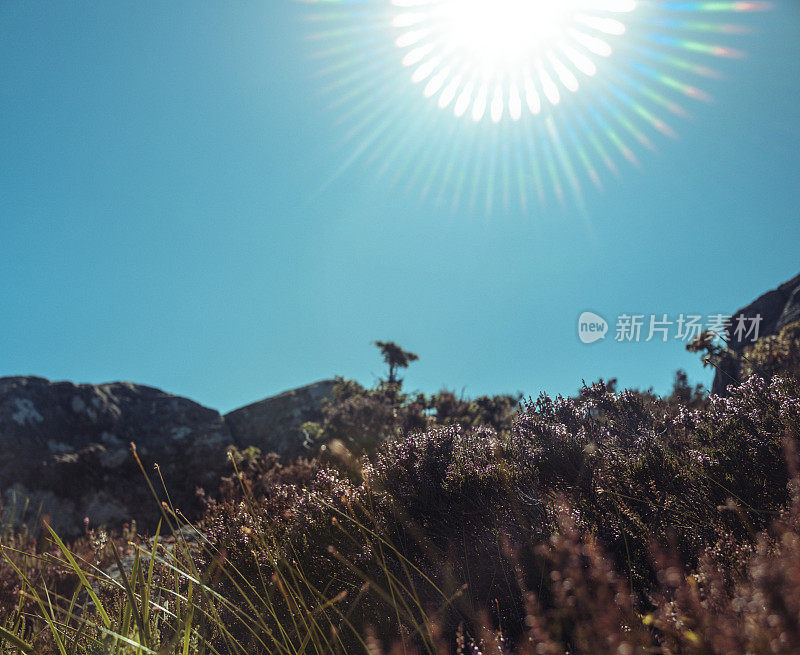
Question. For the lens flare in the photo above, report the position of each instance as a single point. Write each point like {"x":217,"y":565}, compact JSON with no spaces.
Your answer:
{"x":481,"y":57}
{"x":512,"y":103}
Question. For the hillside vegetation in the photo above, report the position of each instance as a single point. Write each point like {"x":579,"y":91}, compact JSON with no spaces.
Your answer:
{"x":610,"y":522}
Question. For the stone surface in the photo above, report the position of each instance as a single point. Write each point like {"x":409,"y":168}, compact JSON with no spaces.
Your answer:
{"x":66,"y":447}
{"x":273,"y":424}
{"x":66,"y":450}
{"x":777,"y":308}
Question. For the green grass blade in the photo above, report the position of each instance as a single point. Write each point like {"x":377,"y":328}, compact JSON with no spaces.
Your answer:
{"x":23,"y":646}
{"x":82,"y":577}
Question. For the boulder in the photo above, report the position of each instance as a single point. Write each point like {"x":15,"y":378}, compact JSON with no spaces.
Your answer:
{"x":273,"y":424}
{"x":777,"y":309}
{"x":66,"y":452}
{"x":67,"y":455}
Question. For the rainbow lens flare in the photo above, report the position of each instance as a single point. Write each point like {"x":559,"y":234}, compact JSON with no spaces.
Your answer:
{"x":515,"y":103}
{"x":499,"y":57}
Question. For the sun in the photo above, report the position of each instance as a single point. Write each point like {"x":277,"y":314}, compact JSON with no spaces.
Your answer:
{"x":553,"y":98}
{"x":502,"y":32}
{"x":500,"y":58}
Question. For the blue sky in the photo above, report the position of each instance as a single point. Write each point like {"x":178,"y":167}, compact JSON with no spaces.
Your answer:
{"x":175,"y":211}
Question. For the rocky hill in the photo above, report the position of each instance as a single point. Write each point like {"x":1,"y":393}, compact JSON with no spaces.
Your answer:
{"x":66,"y":451}
{"x":777,"y":309}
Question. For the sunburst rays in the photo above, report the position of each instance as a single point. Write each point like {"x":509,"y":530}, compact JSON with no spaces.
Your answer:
{"x":499,"y":58}
{"x":526,"y":125}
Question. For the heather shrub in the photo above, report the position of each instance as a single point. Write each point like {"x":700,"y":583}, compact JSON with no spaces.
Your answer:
{"x":363,"y":418}
{"x":741,"y":439}
{"x":497,"y":412}
{"x":770,"y":356}
{"x":446,"y":495}
{"x":684,"y":395}
{"x":631,"y":471}
{"x":746,"y":606}
{"x":626,"y":472}
{"x":450,"y":498}
{"x":776,"y":354}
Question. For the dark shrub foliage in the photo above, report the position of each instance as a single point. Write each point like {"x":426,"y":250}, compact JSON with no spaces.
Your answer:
{"x":777,"y":354}
{"x":467,"y":510}
{"x":772,"y":355}
{"x":364,"y":418}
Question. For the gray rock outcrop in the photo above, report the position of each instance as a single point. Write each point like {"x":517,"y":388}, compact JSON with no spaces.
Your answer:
{"x":65,"y":448}
{"x":273,"y":424}
{"x":777,"y":309}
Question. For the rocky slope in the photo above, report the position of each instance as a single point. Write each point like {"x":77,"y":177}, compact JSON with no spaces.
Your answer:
{"x":273,"y":424}
{"x":777,"y":309}
{"x":66,"y":449}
